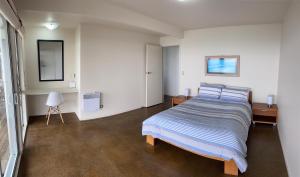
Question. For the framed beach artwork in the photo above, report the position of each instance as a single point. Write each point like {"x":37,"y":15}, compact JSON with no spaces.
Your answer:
{"x":223,"y":65}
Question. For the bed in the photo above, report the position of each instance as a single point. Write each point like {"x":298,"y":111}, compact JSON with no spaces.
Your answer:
{"x":212,"y":128}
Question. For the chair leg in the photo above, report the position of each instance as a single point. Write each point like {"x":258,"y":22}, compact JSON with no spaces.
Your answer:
{"x":60,"y":115}
{"x":49,"y":114}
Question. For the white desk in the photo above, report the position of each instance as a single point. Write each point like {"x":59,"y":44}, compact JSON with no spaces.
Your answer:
{"x":48,"y":90}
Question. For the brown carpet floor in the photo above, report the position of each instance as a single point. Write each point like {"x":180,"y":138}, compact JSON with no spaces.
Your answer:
{"x":114,"y":147}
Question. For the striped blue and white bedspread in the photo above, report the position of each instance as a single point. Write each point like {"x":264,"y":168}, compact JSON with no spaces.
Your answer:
{"x":206,"y":126}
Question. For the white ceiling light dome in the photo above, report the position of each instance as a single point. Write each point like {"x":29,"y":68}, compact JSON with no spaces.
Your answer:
{"x":51,"y":25}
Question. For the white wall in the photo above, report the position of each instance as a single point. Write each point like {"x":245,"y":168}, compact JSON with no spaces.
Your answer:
{"x":31,"y":58}
{"x":167,"y":41}
{"x":288,"y":90}
{"x":113,"y":62}
{"x":171,"y":70}
{"x":36,"y":104}
{"x":258,"y":46}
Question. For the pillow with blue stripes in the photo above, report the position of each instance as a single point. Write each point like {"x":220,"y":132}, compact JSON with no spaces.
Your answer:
{"x":209,"y":91}
{"x":241,"y":95}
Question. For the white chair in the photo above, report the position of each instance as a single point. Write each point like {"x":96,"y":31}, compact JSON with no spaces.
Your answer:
{"x":55,"y":99}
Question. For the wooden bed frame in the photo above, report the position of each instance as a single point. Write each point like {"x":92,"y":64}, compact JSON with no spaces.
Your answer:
{"x":230,"y":168}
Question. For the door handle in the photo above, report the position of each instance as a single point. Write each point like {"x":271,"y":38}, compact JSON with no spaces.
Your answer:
{"x":148,"y":72}
{"x":16,"y":99}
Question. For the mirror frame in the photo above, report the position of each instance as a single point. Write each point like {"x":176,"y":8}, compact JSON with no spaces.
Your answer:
{"x":39,"y":59}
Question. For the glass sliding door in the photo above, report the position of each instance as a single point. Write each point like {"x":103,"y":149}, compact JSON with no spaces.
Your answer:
{"x":16,"y":81}
{"x":4,"y":137}
{"x":21,"y":86}
{"x":10,"y":127}
{"x":4,"y":143}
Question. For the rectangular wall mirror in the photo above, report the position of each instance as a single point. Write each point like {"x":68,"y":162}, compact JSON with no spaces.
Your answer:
{"x":51,"y":60}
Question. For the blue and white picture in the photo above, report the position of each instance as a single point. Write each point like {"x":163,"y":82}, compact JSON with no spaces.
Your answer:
{"x":222,"y":65}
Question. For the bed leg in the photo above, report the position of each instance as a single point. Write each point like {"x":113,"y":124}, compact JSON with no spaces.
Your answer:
{"x":230,"y":168}
{"x":150,"y":140}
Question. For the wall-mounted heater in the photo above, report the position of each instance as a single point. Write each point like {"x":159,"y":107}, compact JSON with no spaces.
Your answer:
{"x":91,"y":102}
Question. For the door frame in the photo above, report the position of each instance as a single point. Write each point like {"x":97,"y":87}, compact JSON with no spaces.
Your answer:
{"x":180,"y":72}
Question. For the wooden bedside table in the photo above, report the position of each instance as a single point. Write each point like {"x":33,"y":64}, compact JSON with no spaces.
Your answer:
{"x":263,"y":114}
{"x":176,"y":100}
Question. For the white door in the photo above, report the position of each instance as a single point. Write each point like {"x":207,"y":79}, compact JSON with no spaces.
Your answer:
{"x":154,"y":75}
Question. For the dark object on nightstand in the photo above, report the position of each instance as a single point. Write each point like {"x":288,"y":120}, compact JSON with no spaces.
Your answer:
{"x":262,"y":113}
{"x":179,"y":99}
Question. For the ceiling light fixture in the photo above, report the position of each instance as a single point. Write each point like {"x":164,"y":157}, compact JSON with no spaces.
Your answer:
{"x":181,"y":0}
{"x":51,"y":26}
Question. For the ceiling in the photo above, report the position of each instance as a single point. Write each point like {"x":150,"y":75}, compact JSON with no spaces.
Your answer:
{"x":71,"y":13}
{"x":193,"y":14}
{"x":69,"y":20}
{"x":165,"y":17}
